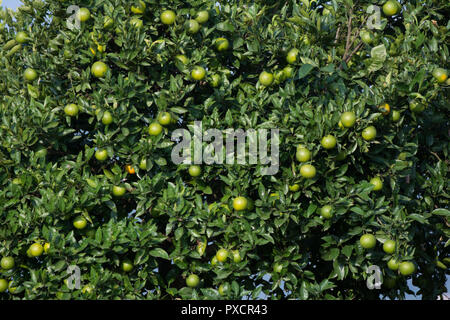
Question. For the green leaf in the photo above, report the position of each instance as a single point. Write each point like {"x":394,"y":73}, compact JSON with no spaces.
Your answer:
{"x":159,"y":253}
{"x":378,"y":53}
{"x":330,"y":254}
{"x":225,"y":26}
{"x":304,"y":71}
{"x":442,"y":212}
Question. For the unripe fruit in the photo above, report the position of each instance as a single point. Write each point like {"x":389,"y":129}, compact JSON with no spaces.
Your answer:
{"x":303,"y":155}
{"x":168,"y":17}
{"x":389,"y":246}
{"x":222,"y":44}
{"x":35,"y":250}
{"x":195,"y":171}
{"x":223,"y":289}
{"x":326,"y":211}
{"x":240,"y":203}
{"x":101,"y":154}
{"x":393,"y":264}
{"x":30,"y":74}
{"x":406,"y":268}
{"x":395,"y":115}
{"x":265,"y":78}
{"x":164,"y":118}
{"x":21,"y":37}
{"x":440,"y":75}
{"x":99,"y":69}
{"x":79,"y":222}
{"x":308,"y":171}
{"x":127,"y":265}
{"x":198,"y":73}
{"x":143,"y":164}
{"x":348,"y":119}
{"x":328,"y":142}
{"x":369,"y":133}
{"x":83,"y":14}
{"x":416,"y":107}
{"x":377,"y":183}
{"x":139,"y":9}
{"x":3,"y":285}
{"x":71,"y":110}
{"x":107,"y":118}
{"x":222,"y":255}
{"x":391,"y":8}
{"x":193,"y":26}
{"x":288,"y":72}
{"x":192,"y":281}
{"x":118,"y":191}
{"x":154,"y":129}
{"x":366,"y":36}
{"x":7,"y":263}
{"x":292,"y":56}
{"x":368,"y":241}
{"x":202,"y":16}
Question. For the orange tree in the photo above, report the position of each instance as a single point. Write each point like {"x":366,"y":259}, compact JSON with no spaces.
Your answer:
{"x":88,"y":102}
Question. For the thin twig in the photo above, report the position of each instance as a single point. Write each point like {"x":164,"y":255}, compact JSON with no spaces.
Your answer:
{"x":434,"y":154}
{"x":353,"y":52}
{"x":358,"y":31}
{"x":337,"y":34}
{"x":349,"y":32}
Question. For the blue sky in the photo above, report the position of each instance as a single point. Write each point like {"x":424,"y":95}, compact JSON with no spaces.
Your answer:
{"x":13,"y":4}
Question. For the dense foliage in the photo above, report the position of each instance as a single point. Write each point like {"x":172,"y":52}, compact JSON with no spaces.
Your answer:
{"x":87,"y":180}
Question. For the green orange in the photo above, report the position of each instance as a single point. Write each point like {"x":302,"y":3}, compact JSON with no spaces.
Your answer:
{"x":369,"y":133}
{"x":368,"y":241}
{"x":154,"y":129}
{"x":266,"y":78}
{"x":308,"y":171}
{"x":348,"y":119}
{"x":240,"y":203}
{"x":168,"y":17}
{"x":80,"y":222}
{"x":99,"y":69}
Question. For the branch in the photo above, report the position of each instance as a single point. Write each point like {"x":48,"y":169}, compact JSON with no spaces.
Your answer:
{"x":337,"y":34}
{"x":435,"y":154}
{"x":349,"y":32}
{"x":353,"y":52}
{"x":358,"y":31}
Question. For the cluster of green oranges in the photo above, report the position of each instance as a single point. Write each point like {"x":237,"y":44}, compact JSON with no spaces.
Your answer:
{"x":8,"y":263}
{"x":239,"y":204}
{"x":406,"y":268}
{"x":329,"y":142}
{"x":221,"y":256}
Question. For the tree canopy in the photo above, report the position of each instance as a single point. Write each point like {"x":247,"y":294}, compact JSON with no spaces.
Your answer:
{"x":92,"y":90}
